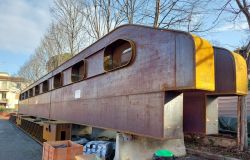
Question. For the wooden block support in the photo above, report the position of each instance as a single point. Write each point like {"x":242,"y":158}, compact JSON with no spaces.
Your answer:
{"x":56,"y":130}
{"x":242,"y":134}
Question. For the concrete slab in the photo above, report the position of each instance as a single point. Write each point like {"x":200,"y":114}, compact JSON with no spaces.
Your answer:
{"x":16,"y":145}
{"x":141,"y":148}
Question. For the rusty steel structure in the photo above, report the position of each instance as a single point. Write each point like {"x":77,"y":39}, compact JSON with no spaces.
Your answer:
{"x":123,"y":81}
{"x":230,"y":80}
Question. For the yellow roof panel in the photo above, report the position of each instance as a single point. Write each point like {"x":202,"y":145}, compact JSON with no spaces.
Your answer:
{"x":204,"y":61}
{"x":241,"y":74}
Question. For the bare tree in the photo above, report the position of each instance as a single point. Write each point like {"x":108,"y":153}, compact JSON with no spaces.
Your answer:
{"x":101,"y":16}
{"x":92,"y":13}
{"x":32,"y":69}
{"x":157,"y":13}
{"x":244,"y":8}
{"x":133,"y":11}
{"x":236,"y":9}
{"x":112,"y":16}
{"x":55,"y":39}
{"x":51,"y":46}
{"x":67,"y":14}
{"x":64,"y":37}
{"x":177,"y":14}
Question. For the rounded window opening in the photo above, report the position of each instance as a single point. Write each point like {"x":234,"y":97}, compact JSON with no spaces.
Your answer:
{"x":78,"y":71}
{"x":58,"y":80}
{"x":118,"y":54}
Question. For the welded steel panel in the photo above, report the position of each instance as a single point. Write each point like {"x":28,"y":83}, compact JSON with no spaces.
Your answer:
{"x":95,"y":64}
{"x":184,"y":49}
{"x":194,"y":112}
{"x":139,"y":114}
{"x":225,"y":85}
{"x":129,"y":99}
{"x":225,"y":76}
{"x":36,"y":106}
{"x":154,"y":46}
{"x":67,"y":76}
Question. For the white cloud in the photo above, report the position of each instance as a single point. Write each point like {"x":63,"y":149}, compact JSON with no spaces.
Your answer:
{"x":232,"y":27}
{"x":22,"y":24}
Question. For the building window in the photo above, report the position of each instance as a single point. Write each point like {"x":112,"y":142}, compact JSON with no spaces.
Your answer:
{"x":4,"y":95}
{"x":58,"y":80}
{"x":45,"y":86}
{"x":118,"y":54}
{"x":18,"y":85}
{"x":26,"y":95}
{"x":30,"y":92}
{"x":78,"y":71}
{"x":23,"y":96}
{"x":37,"y":89}
{"x":3,"y":85}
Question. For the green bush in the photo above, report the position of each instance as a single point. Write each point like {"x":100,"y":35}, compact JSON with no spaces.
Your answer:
{"x":2,"y":108}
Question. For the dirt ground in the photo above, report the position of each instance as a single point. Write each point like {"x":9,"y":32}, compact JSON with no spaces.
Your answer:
{"x":232,"y":151}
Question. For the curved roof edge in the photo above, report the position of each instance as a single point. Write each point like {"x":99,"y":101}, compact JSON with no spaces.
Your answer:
{"x":205,"y":65}
{"x":241,"y":74}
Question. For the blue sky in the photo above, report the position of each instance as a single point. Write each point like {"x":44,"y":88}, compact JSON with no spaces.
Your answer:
{"x":23,"y":23}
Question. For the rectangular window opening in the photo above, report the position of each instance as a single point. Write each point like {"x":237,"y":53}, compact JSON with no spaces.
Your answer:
{"x":4,"y":95}
{"x":30,"y":93}
{"x":63,"y":135}
{"x":78,"y":71}
{"x":58,"y":80}
{"x":45,"y":86}
{"x":26,"y":95}
{"x":37,"y":90}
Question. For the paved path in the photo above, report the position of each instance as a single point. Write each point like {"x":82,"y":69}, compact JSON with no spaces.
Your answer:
{"x":16,"y":145}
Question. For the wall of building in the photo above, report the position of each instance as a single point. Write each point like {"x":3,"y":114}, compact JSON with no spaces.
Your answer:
{"x":10,"y":88}
{"x":228,"y":106}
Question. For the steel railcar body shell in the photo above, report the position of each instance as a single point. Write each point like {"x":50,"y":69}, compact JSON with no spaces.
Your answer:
{"x":129,"y":98}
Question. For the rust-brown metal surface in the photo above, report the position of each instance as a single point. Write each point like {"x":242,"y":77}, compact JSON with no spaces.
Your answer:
{"x":225,"y":76}
{"x":194,"y":103}
{"x":130,"y":99}
{"x":36,"y":106}
{"x":194,"y":112}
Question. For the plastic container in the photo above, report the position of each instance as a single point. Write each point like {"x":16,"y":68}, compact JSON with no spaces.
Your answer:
{"x":103,"y":149}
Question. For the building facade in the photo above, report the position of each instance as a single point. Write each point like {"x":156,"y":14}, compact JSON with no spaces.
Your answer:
{"x":10,"y":88}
